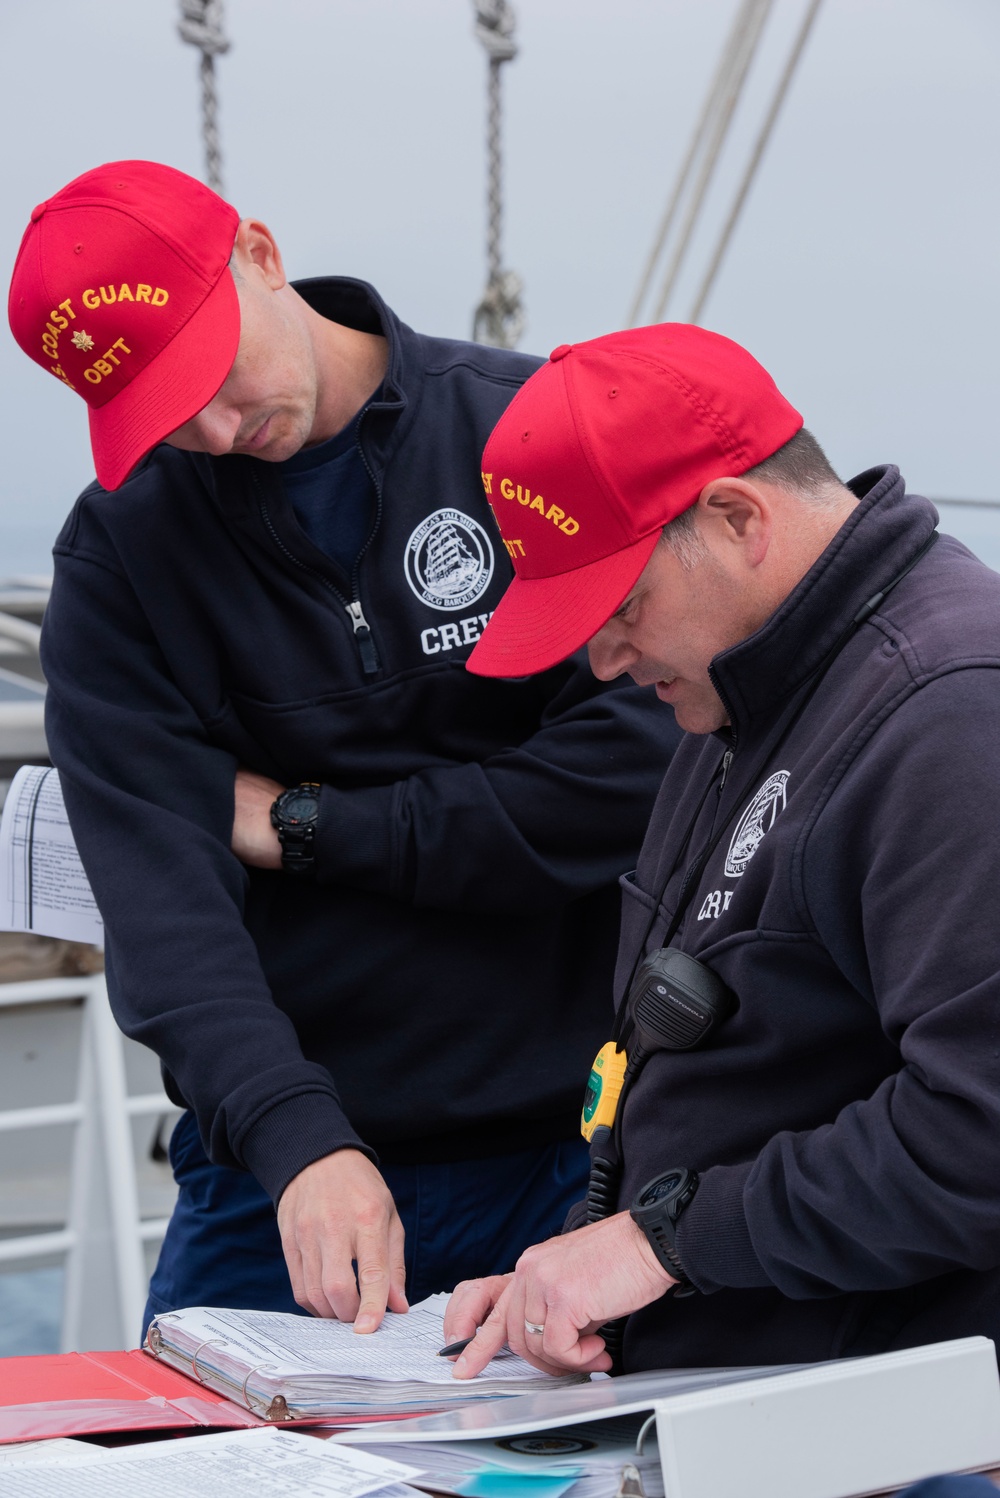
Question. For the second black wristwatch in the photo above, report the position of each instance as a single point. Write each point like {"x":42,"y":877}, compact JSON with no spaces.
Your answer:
{"x":294,"y":816}
{"x":656,"y":1209}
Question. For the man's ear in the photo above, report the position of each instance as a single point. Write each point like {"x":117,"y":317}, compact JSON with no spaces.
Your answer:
{"x":738,"y":518}
{"x":256,"y":249}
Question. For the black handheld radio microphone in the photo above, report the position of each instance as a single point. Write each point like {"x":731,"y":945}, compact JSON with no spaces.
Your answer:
{"x":674,"y":1004}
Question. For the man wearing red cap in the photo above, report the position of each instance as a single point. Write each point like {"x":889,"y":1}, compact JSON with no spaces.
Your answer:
{"x":802,"y":1161}
{"x":378,"y":990}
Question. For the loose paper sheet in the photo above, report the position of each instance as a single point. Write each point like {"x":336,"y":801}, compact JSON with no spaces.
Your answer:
{"x":223,"y":1466}
{"x":43,"y":887}
{"x":59,"y":1450}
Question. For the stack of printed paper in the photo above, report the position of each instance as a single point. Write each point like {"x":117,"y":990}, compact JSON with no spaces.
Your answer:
{"x":286,"y":1367}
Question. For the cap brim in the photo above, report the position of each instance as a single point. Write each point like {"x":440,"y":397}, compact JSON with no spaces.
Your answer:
{"x":175,"y":385}
{"x":540,"y":621}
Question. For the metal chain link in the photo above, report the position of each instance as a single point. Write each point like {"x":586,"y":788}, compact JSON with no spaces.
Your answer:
{"x":201,"y":25}
{"x":499,"y":318}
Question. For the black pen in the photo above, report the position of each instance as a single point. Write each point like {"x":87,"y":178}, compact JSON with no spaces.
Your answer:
{"x":454,"y":1348}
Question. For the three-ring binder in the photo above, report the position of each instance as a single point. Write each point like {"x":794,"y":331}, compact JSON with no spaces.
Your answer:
{"x":274,"y":1410}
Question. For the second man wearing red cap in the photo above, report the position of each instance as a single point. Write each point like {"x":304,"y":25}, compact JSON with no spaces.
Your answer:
{"x":804,"y":1157}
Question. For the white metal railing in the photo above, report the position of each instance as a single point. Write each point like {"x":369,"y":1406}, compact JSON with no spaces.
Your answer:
{"x":104,"y":1236}
{"x":21,"y":630}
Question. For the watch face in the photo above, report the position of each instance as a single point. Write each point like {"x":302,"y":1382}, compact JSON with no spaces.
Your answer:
{"x":299,"y":806}
{"x":666,"y":1186}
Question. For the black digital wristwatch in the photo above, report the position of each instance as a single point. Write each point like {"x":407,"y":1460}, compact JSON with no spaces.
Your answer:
{"x":294,"y":817}
{"x":656,"y":1209}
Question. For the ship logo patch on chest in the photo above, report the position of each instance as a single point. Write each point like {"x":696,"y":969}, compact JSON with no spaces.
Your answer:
{"x":758,"y":819}
{"x":449,"y":560}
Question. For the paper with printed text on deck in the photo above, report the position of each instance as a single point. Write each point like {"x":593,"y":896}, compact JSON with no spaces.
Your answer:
{"x":43,"y":886}
{"x":225,"y":1466}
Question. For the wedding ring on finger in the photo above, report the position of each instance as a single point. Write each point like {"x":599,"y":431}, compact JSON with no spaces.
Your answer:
{"x":534,"y":1329}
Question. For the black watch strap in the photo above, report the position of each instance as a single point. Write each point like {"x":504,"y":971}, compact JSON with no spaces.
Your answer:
{"x":656,"y":1209}
{"x":294,"y":816}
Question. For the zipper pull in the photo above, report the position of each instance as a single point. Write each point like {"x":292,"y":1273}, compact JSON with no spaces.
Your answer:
{"x":363,"y":635}
{"x":727,"y":760}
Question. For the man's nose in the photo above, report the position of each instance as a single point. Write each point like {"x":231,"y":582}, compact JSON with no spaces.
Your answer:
{"x":610,"y":656}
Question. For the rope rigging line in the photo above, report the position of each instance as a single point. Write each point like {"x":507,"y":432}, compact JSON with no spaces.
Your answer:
{"x":710,"y":108}
{"x":201,"y":24}
{"x":760,"y":146}
{"x":499,"y":318}
{"x":746,"y":36}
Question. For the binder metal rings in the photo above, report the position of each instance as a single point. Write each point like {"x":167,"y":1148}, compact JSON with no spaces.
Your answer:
{"x":154,"y":1337}
{"x":251,"y":1399}
{"x":209,"y":1342}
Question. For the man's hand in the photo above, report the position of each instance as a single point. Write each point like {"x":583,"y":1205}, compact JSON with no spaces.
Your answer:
{"x":254,"y":839}
{"x":337,"y":1210}
{"x":570,"y":1286}
{"x":470,"y":1304}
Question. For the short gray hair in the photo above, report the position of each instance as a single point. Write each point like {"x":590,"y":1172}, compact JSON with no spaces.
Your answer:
{"x":685,"y":540}
{"x":800,"y":466}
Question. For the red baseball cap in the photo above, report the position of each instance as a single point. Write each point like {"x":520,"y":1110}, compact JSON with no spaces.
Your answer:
{"x":599,"y":449}
{"x":121,"y":290}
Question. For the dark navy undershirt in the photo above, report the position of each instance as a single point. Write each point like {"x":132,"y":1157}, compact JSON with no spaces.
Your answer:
{"x":332,"y":493}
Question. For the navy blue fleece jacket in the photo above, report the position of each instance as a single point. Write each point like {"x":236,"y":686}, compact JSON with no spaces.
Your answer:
{"x":846,"y":1120}
{"x":439,"y":991}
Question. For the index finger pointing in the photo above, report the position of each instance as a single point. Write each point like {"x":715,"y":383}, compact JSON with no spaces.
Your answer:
{"x":373,"y":1280}
{"x":470,"y":1304}
{"x":487,"y":1342}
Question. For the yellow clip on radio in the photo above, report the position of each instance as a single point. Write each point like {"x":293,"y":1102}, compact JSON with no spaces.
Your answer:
{"x":600,"y":1101}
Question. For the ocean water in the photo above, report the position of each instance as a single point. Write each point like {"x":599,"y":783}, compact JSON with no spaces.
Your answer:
{"x":30,"y":1311}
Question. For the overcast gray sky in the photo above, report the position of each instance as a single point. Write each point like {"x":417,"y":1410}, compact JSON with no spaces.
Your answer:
{"x":863,"y":274}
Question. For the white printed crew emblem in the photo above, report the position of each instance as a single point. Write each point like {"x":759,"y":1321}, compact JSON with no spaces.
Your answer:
{"x":449,"y":560}
{"x":758,"y":819}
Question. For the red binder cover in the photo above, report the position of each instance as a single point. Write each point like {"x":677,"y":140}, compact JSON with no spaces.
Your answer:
{"x":84,"y":1393}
